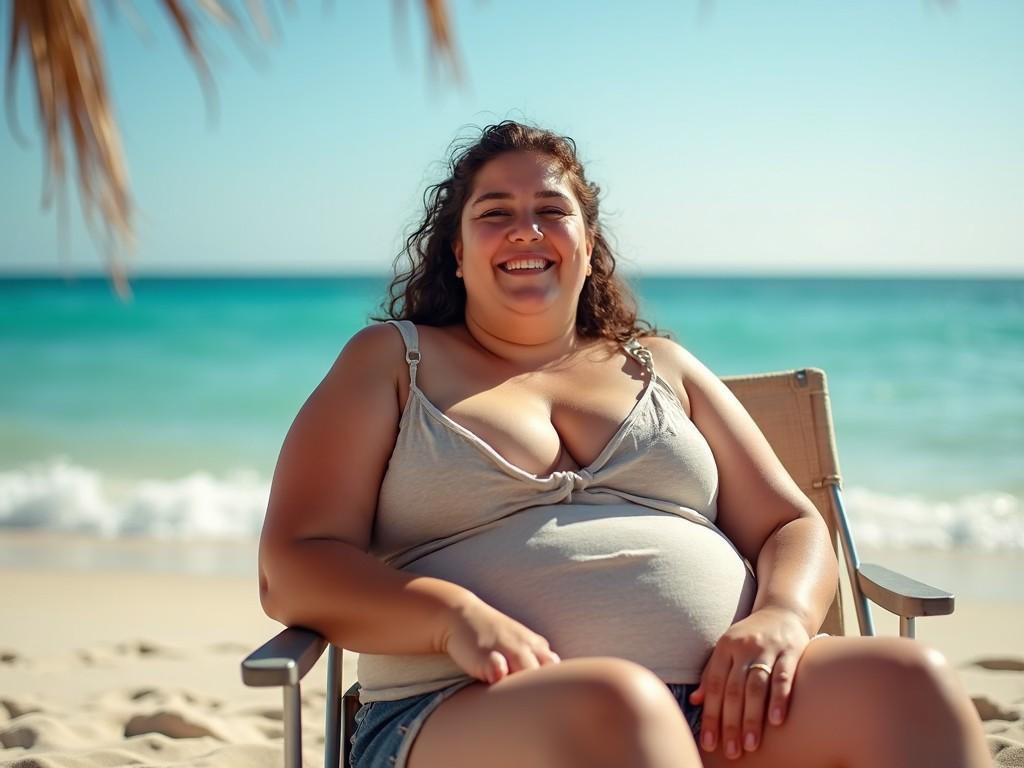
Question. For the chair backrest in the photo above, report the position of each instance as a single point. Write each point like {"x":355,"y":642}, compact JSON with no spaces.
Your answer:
{"x":792,"y":410}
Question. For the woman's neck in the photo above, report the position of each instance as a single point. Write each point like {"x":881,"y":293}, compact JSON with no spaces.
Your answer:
{"x":525,"y":344}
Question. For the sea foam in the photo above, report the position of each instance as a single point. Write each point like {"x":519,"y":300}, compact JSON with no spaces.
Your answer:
{"x":60,"y":496}
{"x":64,"y":497}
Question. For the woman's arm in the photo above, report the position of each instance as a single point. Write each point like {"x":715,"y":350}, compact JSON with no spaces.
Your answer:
{"x":762,"y":511}
{"x":313,"y":562}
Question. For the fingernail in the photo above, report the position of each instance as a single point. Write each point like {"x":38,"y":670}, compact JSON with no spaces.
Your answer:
{"x":731,"y":750}
{"x":750,"y":742}
{"x":776,"y":715}
{"x":708,"y":739}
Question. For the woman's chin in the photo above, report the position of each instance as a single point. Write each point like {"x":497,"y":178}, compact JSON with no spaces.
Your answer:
{"x":531,"y":299}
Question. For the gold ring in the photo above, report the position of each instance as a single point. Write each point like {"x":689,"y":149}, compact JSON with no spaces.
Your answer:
{"x":760,"y":665}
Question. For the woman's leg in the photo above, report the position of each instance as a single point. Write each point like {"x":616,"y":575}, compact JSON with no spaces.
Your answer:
{"x":598,"y":712}
{"x":869,"y":701}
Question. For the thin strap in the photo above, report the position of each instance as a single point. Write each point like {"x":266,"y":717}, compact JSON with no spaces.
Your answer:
{"x":412,"y":345}
{"x":640,"y":353}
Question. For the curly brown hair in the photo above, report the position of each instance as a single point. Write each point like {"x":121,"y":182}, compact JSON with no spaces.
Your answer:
{"x":427,"y":291}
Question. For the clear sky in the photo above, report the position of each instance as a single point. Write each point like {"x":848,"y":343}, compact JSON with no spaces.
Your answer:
{"x":732,"y":136}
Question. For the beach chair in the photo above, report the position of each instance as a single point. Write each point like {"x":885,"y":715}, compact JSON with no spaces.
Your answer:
{"x":792,"y":409}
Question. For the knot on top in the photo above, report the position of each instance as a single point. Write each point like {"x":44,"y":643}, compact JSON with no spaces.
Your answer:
{"x":581,"y":479}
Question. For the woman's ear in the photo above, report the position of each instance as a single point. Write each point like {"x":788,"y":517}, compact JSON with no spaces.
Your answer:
{"x":457,"y":248}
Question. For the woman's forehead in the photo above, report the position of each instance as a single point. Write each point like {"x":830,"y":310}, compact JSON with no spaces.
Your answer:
{"x":514,"y":171}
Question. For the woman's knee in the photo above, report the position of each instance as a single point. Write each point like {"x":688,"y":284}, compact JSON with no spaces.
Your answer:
{"x":624,"y":712}
{"x":911,"y":662}
{"x":899,"y":672}
{"x":621,"y":691}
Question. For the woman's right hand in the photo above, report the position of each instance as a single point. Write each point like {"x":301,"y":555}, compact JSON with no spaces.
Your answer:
{"x":488,"y":645}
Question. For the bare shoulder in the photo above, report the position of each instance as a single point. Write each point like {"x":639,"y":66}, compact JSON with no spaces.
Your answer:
{"x":680,"y":368}
{"x":335,"y":454}
{"x":374,"y":352}
{"x":670,"y":348}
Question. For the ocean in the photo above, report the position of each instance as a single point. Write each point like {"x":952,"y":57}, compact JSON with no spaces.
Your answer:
{"x":163,"y":416}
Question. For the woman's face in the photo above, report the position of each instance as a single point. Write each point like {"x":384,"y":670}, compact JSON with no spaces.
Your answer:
{"x":523,"y":246}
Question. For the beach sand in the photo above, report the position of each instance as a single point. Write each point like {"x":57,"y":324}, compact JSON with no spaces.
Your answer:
{"x":139,"y":664}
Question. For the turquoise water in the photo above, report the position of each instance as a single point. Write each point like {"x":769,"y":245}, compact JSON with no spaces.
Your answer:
{"x":180,"y":399}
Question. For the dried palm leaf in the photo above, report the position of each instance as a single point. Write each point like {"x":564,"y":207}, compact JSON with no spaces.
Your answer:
{"x":59,"y":39}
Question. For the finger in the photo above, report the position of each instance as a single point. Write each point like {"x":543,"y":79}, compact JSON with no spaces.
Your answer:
{"x":543,"y":652}
{"x":754,"y":706}
{"x":497,"y":667}
{"x":713,"y":680}
{"x":521,"y":658}
{"x":782,"y":688}
{"x":697,"y":695}
{"x":732,"y":710}
{"x":548,"y":657}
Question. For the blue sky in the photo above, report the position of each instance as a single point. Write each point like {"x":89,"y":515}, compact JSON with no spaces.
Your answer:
{"x":791,"y":137}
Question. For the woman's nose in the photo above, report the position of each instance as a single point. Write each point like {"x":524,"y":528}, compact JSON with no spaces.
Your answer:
{"x":525,"y":229}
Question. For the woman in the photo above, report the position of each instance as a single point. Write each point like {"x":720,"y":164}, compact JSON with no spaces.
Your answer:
{"x":538,"y":522}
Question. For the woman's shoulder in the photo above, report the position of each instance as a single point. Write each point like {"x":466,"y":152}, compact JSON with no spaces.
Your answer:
{"x":375,"y":345}
{"x":372,"y":356}
{"x":679,"y":367}
{"x":668,"y":354}
{"x":378,"y":352}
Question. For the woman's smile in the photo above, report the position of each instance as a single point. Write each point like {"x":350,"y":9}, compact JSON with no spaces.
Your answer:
{"x":520,"y":266}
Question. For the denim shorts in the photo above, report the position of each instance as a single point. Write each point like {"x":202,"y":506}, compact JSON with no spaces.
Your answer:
{"x":385,"y":730}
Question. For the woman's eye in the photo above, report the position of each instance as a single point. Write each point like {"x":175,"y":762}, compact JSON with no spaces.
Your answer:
{"x":545,"y":212}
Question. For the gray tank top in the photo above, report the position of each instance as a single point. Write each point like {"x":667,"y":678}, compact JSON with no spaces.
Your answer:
{"x":619,"y":558}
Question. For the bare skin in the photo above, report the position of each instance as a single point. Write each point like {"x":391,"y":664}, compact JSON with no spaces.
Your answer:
{"x":539,"y":420}
{"x":517,"y":374}
{"x":875,"y":702}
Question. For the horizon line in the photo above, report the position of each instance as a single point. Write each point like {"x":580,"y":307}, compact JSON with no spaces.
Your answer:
{"x":97,"y":275}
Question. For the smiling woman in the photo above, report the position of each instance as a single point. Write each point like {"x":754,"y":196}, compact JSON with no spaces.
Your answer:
{"x":530,"y":514}
{"x":537,"y":185}
{"x":524,"y":252}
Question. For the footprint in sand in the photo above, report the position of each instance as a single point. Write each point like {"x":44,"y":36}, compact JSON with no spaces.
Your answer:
{"x":991,"y":710}
{"x":20,"y":706}
{"x":183,"y":721}
{"x":1003,"y":665}
{"x":12,"y":658}
{"x":172,"y":724}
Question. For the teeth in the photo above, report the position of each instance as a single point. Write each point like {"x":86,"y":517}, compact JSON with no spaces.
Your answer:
{"x":508,"y":266}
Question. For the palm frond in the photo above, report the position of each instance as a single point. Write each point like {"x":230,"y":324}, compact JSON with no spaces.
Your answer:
{"x":59,"y":39}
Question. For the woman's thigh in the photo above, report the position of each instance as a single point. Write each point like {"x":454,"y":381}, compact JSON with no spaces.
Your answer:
{"x":851,"y":703}
{"x":577,"y":712}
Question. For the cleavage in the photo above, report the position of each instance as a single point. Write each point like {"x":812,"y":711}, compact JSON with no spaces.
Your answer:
{"x":537,"y":430}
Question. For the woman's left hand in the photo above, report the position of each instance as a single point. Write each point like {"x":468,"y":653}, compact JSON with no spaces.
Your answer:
{"x":736,"y":697}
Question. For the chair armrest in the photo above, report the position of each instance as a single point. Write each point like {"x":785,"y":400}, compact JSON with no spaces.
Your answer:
{"x":284,"y":659}
{"x":902,"y":595}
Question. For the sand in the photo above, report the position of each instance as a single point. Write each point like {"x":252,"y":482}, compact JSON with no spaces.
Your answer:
{"x":109,"y":667}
